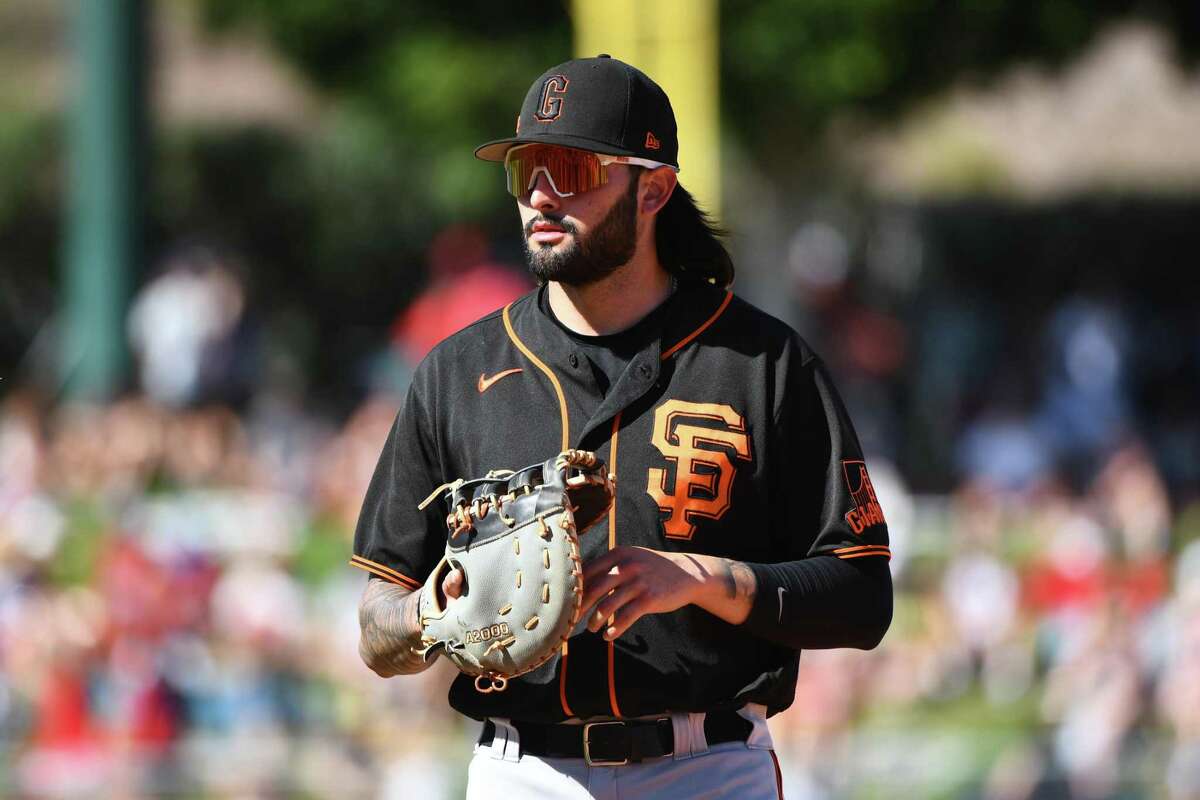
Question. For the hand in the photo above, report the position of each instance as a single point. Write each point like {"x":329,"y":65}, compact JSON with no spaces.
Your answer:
{"x":452,"y":584}
{"x":452,"y":587}
{"x":630,"y":582}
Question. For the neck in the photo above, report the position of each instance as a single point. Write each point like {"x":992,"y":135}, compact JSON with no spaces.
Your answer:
{"x":615,"y":303}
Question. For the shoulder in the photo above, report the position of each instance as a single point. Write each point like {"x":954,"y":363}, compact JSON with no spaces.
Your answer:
{"x":740,"y":322}
{"x":458,"y":360}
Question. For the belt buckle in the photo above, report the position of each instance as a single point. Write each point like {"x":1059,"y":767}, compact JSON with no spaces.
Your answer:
{"x":587,"y":746}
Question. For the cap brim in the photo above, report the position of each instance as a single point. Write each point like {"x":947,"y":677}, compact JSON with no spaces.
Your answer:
{"x":495,"y":151}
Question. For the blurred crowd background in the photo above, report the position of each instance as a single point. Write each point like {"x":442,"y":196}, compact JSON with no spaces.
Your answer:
{"x":981,"y":214}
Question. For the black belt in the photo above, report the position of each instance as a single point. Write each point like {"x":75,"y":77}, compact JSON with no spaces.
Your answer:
{"x":608,"y":744}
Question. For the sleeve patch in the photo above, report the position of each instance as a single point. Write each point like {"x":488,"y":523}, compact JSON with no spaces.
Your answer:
{"x":866,"y":511}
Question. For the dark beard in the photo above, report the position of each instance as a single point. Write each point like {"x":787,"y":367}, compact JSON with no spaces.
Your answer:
{"x":596,"y":256}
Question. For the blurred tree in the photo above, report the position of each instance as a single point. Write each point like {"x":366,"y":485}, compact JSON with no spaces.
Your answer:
{"x":327,"y":244}
{"x":427,"y":82}
{"x":786,"y":66}
{"x":333,"y":223}
{"x":30,"y":225}
{"x":789,"y":66}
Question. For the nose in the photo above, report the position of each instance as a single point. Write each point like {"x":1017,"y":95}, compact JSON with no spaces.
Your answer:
{"x":541,"y":196}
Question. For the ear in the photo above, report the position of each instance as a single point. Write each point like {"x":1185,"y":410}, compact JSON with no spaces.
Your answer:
{"x":657,"y":186}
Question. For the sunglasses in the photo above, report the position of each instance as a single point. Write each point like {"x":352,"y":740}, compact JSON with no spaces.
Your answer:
{"x":569,"y":171}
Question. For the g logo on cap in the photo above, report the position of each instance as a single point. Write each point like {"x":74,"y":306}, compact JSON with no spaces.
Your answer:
{"x":553,"y":90}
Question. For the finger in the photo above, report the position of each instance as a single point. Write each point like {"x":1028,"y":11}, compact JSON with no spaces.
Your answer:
{"x":611,"y":604}
{"x":603,"y":563}
{"x":595,"y":589}
{"x":628,"y":614}
{"x":452,"y":584}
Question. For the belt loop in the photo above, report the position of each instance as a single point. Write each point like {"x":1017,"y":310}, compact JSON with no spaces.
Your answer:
{"x":760,"y":737}
{"x":689,"y":735}
{"x":506,"y":744}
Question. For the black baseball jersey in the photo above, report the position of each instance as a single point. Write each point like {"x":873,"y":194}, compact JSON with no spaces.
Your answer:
{"x":726,"y":438}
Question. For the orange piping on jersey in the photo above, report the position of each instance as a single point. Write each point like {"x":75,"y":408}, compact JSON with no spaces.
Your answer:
{"x":612,"y":689}
{"x":720,"y":310}
{"x":612,"y":542}
{"x":562,"y":400}
{"x":387,"y":573}
{"x":562,"y":683}
{"x":566,"y":443}
{"x":874,"y":551}
{"x":612,"y":469}
{"x":856,"y":548}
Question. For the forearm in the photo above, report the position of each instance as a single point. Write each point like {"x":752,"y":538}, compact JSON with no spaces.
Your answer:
{"x":822,"y":602}
{"x":817,"y":602}
{"x":725,"y":588}
{"x":390,"y":629}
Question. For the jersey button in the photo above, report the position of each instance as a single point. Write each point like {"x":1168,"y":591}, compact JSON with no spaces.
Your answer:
{"x":574,"y":359}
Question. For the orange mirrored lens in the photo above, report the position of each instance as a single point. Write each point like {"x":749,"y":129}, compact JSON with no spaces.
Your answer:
{"x":571,"y":171}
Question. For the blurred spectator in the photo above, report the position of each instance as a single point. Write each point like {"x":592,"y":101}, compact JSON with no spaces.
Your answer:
{"x":463,"y":287}
{"x":192,"y":332}
{"x":1004,"y":450}
{"x":1178,"y":695}
{"x":176,"y":617}
{"x":1133,"y":498}
{"x":1085,"y":409}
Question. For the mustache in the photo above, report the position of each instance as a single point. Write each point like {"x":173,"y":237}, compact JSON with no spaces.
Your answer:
{"x":561,"y":222}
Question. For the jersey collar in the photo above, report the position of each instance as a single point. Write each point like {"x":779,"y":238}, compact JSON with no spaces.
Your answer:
{"x":695,"y":308}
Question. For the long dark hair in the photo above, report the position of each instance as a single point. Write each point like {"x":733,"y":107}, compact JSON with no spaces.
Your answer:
{"x":688,"y":244}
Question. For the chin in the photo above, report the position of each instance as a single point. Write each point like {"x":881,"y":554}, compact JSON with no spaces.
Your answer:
{"x":541,"y":247}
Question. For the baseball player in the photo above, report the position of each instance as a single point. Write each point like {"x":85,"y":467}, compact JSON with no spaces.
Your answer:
{"x":744,"y":527}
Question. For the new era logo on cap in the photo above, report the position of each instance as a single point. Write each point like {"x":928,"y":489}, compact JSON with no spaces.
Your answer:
{"x":598,"y":104}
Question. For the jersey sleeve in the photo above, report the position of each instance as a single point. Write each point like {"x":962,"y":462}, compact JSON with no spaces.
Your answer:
{"x":839,"y":513}
{"x":394,"y":540}
{"x":828,"y":584}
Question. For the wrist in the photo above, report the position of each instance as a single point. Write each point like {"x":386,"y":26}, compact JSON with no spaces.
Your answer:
{"x":410,"y":618}
{"x":726,"y":588}
{"x":704,"y":580}
{"x":710,"y":584}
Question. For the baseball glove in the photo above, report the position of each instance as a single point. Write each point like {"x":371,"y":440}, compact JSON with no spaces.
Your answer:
{"x":514,"y":536}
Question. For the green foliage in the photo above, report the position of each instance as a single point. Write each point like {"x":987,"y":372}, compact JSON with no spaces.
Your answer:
{"x":83,"y":541}
{"x":27,"y":146}
{"x":30,"y":221}
{"x":445,"y":77}
{"x":322,"y":552}
{"x":788,"y":67}
{"x":328,"y":229}
{"x":427,"y":81}
{"x":1186,"y":528}
{"x":338,"y":220}
{"x":959,"y":741}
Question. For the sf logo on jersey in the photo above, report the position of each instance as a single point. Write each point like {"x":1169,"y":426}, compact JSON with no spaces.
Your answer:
{"x":703,"y":459}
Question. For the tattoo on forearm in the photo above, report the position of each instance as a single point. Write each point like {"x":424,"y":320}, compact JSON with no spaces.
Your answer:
{"x":391,"y":629}
{"x":739,"y":580}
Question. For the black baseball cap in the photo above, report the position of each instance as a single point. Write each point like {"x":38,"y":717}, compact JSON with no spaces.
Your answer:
{"x":598,"y":104}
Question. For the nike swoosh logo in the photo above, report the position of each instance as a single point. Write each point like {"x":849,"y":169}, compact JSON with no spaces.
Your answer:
{"x":781,"y":591}
{"x":486,"y":383}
